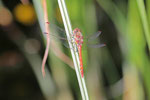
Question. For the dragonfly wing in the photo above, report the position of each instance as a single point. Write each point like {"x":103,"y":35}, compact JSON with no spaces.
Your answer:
{"x":65,"y":44}
{"x":96,"y":45}
{"x":62,"y":40}
{"x":59,"y":29}
{"x":94,"y":36}
{"x":58,"y":33}
{"x":62,"y":37}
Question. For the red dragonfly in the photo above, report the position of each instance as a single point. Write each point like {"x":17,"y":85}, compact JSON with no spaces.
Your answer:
{"x":78,"y":37}
{"x":77,"y":34}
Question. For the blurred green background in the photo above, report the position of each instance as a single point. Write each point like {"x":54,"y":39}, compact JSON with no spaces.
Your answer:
{"x":118,"y":71}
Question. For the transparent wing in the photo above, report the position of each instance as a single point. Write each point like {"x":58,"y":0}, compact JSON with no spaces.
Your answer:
{"x":93,"y":36}
{"x":58,"y":34}
{"x":60,"y":30}
{"x":96,"y":45}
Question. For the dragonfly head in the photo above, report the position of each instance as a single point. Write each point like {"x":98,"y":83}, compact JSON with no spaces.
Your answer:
{"x":76,"y":30}
{"x":78,"y":36}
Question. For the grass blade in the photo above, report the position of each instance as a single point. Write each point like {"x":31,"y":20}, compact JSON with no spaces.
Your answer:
{"x":75,"y":56}
{"x":143,"y":15}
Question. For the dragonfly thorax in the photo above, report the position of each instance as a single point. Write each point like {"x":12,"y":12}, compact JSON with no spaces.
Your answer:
{"x":78,"y":36}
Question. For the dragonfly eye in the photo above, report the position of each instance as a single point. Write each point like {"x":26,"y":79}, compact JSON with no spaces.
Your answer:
{"x":76,"y":30}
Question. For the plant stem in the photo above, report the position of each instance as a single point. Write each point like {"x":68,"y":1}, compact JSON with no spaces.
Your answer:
{"x":47,"y":30}
{"x":75,"y":55}
{"x":144,"y":19}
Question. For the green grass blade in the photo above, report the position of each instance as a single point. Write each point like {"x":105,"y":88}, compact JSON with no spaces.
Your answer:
{"x":136,"y":42}
{"x":75,"y":55}
{"x":148,"y":11}
{"x":143,"y":15}
{"x":114,"y":13}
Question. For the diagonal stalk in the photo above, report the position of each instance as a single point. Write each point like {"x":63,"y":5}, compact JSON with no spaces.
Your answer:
{"x":75,"y":55}
{"x":144,"y":19}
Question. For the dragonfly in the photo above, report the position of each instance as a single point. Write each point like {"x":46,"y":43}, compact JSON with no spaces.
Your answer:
{"x":77,"y":34}
{"x":79,"y":40}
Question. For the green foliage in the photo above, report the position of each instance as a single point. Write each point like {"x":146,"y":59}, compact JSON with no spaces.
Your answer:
{"x":133,"y":26}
